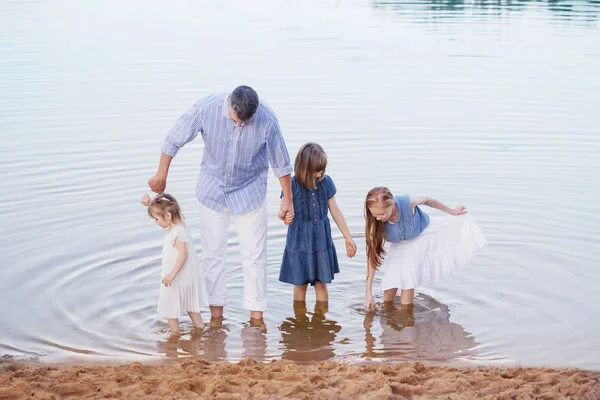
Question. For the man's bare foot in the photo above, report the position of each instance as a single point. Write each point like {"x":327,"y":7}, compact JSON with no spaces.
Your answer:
{"x":259,"y":323}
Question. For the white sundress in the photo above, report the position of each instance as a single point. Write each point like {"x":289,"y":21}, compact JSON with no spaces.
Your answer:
{"x":187,"y":292}
{"x":446,"y":245}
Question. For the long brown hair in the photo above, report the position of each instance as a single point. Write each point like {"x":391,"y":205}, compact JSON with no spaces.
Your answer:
{"x":164,"y":203}
{"x":311,"y":158}
{"x":375,"y":233}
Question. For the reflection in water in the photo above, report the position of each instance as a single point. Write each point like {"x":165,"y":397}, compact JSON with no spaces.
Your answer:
{"x":307,"y":337}
{"x":254,"y":341}
{"x":568,"y":10}
{"x":208,"y":344}
{"x":419,"y":332}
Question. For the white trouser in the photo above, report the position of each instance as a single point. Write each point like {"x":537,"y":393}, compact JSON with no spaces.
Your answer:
{"x":252,"y":235}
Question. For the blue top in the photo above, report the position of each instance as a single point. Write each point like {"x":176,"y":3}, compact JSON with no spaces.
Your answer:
{"x":309,"y":253}
{"x":409,"y":225}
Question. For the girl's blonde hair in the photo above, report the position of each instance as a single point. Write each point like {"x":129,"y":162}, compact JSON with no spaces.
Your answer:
{"x":162,"y":204}
{"x":375,"y":233}
{"x":311,"y":158}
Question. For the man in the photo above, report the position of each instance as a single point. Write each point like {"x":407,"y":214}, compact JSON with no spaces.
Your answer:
{"x":241,"y":137}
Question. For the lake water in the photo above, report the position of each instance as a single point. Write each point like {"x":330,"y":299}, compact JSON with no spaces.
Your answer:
{"x":489,"y":104}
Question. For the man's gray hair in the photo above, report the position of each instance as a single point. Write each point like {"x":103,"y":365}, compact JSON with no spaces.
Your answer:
{"x":244,"y":102}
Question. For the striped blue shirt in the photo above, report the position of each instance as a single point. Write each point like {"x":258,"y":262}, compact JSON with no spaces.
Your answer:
{"x":235,"y":163}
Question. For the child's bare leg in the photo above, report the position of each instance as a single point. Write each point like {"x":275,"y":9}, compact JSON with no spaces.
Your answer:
{"x":321,"y":291}
{"x":300,"y":292}
{"x":196,"y":319}
{"x":300,"y":307}
{"x":174,"y":326}
{"x":321,"y":307}
{"x":389,"y":294}
{"x":407,"y":296}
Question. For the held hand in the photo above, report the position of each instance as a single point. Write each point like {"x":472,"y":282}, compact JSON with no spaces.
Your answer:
{"x":289,"y":217}
{"x":286,"y":211}
{"x":459,"y":210}
{"x":369,"y":303}
{"x":146,"y":200}
{"x":350,"y":247}
{"x":158,"y":183}
{"x":168,"y":279}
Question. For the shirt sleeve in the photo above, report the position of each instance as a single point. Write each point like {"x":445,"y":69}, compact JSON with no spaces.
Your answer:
{"x":294,"y":189}
{"x":329,"y":186}
{"x":277,"y":151}
{"x":185,"y":129}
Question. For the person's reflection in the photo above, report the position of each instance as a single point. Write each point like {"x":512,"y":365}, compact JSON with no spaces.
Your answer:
{"x":207,"y":344}
{"x":307,"y":337}
{"x":422,"y":331}
{"x":254,"y":340}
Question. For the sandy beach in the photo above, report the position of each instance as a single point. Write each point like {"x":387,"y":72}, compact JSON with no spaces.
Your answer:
{"x":196,"y":379}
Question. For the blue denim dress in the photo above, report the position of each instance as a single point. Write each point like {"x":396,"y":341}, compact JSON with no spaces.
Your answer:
{"x":309,"y":253}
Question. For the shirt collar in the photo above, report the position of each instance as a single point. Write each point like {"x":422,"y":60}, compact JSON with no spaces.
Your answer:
{"x":226,"y":108}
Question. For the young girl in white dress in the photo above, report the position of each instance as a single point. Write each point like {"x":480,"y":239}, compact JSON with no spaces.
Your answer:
{"x":414,"y":249}
{"x":183,"y":289}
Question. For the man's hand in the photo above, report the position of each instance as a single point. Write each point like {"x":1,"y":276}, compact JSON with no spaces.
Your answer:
{"x":158,"y":183}
{"x":286,"y":211}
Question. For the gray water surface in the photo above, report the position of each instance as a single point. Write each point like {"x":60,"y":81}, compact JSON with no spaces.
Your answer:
{"x":491,"y":105}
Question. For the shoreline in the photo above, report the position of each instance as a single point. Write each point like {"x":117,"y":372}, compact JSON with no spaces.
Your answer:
{"x":194,"y":378}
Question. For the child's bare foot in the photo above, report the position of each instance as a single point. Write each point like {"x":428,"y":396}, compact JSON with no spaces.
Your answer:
{"x":197,"y":331}
{"x":300,"y":307}
{"x":321,"y":307}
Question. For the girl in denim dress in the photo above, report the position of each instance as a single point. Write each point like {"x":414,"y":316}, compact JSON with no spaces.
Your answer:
{"x":309,"y":256}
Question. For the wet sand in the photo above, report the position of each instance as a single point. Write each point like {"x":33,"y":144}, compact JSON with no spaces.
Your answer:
{"x":197,"y":379}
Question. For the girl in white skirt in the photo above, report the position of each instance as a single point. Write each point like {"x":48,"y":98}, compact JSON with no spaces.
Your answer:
{"x":183,"y":288}
{"x":414,"y":249}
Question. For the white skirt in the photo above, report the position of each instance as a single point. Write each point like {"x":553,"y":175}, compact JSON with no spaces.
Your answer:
{"x":447,"y":244}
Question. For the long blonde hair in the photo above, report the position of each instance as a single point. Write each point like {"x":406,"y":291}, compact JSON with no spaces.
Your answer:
{"x":164,"y":203}
{"x":375,"y":233}
{"x":311,"y":158}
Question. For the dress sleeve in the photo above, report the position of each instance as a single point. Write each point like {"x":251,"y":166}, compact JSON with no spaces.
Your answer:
{"x":179,"y":233}
{"x":329,"y":186}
